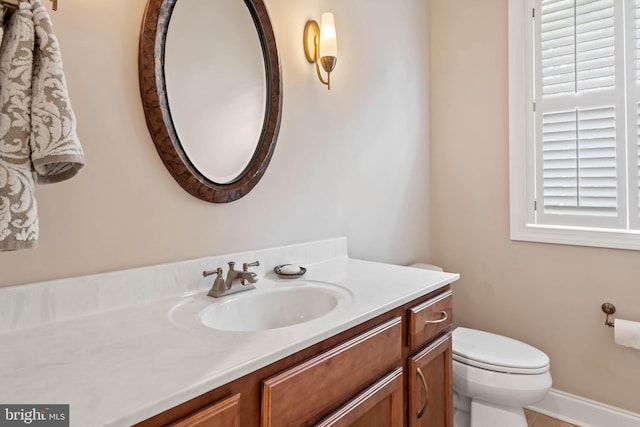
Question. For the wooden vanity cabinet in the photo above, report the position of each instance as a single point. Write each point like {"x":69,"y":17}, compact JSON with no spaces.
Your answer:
{"x":365,"y":376}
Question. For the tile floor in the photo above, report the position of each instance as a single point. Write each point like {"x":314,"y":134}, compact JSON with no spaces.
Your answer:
{"x":535,"y":419}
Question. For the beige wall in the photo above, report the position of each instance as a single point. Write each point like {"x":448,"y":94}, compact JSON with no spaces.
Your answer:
{"x":352,"y":161}
{"x":547,"y":295}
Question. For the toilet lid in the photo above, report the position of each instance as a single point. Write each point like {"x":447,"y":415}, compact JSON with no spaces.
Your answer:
{"x":497,"y":353}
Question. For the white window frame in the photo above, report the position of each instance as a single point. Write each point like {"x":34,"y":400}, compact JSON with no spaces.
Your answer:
{"x":522,"y":146}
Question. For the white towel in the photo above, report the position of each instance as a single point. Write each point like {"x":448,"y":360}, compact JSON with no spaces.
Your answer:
{"x":38,"y":141}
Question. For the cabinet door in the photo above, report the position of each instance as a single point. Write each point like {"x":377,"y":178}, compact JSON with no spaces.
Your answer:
{"x":430,"y":385}
{"x":379,"y":405}
{"x":225,"y":413}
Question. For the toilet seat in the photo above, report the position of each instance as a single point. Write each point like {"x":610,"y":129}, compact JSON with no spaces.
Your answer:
{"x":497,"y":353}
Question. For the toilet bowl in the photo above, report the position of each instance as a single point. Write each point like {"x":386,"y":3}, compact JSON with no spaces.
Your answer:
{"x":494,"y":378}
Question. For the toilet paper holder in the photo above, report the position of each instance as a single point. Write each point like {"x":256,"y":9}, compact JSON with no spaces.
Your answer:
{"x":609,"y":310}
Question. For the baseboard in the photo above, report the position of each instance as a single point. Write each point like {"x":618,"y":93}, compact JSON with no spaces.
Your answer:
{"x":584,"y":412}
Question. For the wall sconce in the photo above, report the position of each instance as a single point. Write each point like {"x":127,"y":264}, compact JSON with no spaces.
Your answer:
{"x":321,"y":45}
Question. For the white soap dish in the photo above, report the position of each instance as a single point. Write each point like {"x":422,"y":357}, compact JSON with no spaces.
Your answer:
{"x":289,"y":271}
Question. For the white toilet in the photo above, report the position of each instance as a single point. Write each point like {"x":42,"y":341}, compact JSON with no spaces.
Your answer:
{"x":494,"y":378}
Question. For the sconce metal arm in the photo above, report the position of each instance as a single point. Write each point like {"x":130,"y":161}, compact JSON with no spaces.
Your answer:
{"x":316,"y":42}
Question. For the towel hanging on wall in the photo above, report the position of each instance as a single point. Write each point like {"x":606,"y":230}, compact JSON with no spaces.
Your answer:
{"x":38,"y":140}
{"x":12,"y":4}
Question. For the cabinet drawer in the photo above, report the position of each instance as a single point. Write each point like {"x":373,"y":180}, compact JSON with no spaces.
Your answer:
{"x":224,"y":413}
{"x":380,"y":404}
{"x":430,"y":319}
{"x":305,"y":393}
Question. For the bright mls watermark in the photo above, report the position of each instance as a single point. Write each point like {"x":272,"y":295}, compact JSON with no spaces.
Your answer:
{"x":34,"y":415}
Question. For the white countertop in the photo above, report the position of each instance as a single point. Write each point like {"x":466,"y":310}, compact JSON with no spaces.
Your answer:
{"x":124,"y":365}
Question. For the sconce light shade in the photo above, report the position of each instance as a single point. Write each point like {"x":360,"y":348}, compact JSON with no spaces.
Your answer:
{"x":321,"y":45}
{"x":328,"y":40}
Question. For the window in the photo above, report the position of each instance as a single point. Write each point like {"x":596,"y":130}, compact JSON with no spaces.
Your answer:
{"x":574,"y":93}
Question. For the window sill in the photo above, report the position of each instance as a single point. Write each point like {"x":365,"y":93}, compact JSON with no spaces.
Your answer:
{"x":601,"y":238}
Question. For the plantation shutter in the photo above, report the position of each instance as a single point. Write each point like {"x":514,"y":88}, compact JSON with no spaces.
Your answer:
{"x":580,"y":113}
{"x":633,"y":134}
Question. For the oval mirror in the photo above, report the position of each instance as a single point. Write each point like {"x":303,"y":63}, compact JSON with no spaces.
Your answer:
{"x":211,"y":90}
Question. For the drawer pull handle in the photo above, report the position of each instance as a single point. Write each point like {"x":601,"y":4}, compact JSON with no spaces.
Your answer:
{"x":426,"y":391}
{"x":445,"y":316}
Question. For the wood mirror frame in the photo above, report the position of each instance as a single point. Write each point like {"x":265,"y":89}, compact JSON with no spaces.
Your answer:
{"x":158,"y":115}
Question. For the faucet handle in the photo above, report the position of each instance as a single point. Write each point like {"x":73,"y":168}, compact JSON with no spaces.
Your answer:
{"x":217,"y":271}
{"x":219,"y":285}
{"x":232,"y":264}
{"x":245,"y":266}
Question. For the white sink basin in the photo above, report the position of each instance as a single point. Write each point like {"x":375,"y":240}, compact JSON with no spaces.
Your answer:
{"x":272,"y":305}
{"x":275,"y":308}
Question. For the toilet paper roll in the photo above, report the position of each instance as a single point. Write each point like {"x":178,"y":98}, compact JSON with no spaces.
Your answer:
{"x":627,"y":333}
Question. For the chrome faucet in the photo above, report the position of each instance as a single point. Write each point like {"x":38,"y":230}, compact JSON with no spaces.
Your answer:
{"x":222,"y":287}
